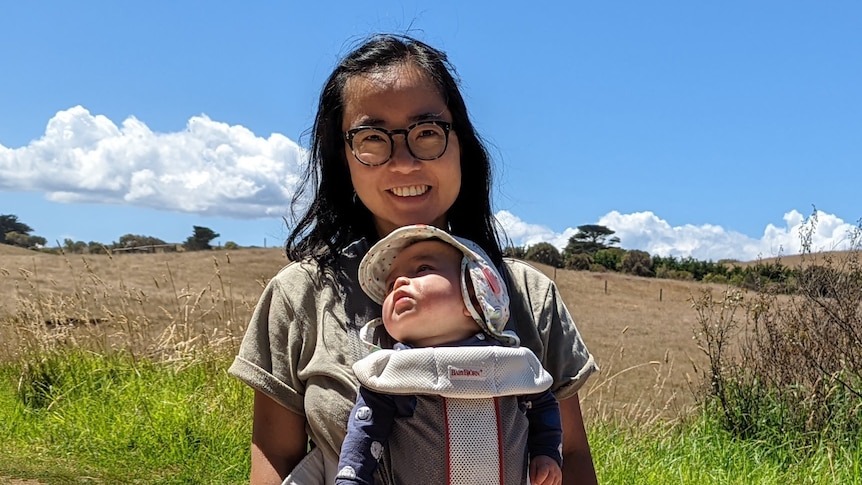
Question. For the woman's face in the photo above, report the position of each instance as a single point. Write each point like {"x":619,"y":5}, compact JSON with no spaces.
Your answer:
{"x":404,"y":190}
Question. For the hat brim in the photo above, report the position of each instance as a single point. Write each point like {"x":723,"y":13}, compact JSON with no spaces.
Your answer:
{"x":376,"y":264}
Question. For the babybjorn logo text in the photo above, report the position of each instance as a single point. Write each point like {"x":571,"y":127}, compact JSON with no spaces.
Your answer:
{"x":461,"y":373}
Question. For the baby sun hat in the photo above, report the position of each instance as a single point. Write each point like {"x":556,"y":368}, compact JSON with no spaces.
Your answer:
{"x":488,"y":286}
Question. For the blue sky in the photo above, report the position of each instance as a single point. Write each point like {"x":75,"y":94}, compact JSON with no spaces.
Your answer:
{"x":705,"y":129}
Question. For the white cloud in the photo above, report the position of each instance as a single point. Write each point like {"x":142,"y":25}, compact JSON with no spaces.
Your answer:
{"x":213,"y":168}
{"x":210,"y":168}
{"x":648,"y":232}
{"x":525,"y":234}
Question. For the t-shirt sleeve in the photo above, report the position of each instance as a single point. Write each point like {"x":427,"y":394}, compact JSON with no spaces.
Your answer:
{"x":270,"y":356}
{"x":545,"y":325}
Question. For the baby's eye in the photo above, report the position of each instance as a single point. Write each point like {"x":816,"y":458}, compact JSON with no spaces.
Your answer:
{"x":423,"y":268}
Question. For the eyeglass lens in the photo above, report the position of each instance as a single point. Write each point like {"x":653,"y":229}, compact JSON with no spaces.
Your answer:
{"x":426,"y":141}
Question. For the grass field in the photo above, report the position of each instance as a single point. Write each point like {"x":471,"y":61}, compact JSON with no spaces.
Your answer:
{"x":639,"y":329}
{"x":144,"y":393}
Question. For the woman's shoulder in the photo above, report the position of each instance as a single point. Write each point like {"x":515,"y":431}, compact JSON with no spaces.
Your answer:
{"x":306,"y":270}
{"x":298,"y":278}
{"x":305,"y":279}
{"x":525,"y":275}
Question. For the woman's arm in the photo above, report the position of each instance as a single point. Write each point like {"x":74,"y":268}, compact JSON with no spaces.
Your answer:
{"x":278,"y":441}
{"x":577,"y":461}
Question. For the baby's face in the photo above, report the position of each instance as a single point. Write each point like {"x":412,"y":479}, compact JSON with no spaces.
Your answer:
{"x":423,"y":305}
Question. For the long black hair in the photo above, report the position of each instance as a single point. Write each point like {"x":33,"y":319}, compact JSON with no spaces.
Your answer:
{"x":333,"y":217}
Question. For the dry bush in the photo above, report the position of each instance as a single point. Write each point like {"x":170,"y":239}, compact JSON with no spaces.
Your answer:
{"x":782,"y":364}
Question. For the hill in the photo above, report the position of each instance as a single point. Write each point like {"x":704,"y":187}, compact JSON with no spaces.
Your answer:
{"x":8,"y":250}
{"x":160,"y":276}
{"x":639,"y":329}
{"x":797,"y":260}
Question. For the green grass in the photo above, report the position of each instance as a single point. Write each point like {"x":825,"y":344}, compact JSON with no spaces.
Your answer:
{"x":80,"y":417}
{"x":115,"y":420}
{"x":700,"y":452}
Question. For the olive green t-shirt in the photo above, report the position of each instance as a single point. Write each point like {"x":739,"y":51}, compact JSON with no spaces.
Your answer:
{"x":303,"y":339}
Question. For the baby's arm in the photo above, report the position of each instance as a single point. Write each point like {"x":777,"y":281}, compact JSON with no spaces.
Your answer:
{"x":367,"y":433}
{"x":545,"y":439}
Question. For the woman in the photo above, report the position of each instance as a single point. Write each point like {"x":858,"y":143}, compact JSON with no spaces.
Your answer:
{"x":392,"y":145}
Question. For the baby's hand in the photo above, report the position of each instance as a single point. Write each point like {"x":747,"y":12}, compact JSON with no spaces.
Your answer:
{"x":545,"y":471}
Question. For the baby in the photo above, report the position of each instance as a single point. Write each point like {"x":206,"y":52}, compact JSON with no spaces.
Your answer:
{"x":448,"y":396}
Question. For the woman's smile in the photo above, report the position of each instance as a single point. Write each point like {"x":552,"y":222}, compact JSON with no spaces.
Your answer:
{"x":410,"y":191}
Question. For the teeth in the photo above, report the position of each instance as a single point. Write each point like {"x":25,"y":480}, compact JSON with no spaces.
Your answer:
{"x":411,"y":191}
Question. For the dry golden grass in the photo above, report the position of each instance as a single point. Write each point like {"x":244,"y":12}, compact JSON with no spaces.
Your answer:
{"x":161,"y":305}
{"x":159,"y":276}
{"x":639,"y":329}
{"x":7,"y":250}
{"x":798,"y":260}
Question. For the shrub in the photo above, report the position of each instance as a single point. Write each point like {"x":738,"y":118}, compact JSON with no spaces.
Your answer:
{"x":788,"y":367}
{"x":545,"y":253}
{"x":609,"y":258}
{"x":715,"y":278}
{"x":578,"y":262}
{"x":673,"y":274}
{"x":636,"y":262}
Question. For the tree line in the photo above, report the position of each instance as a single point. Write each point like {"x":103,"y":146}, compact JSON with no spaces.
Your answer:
{"x":16,"y":233}
{"x":595,"y":248}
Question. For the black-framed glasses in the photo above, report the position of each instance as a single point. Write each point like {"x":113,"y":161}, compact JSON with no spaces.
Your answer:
{"x":372,"y":146}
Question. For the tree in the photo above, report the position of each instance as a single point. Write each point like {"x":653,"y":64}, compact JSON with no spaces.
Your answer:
{"x":135,"y":241}
{"x":636,"y":262}
{"x":200,"y":240}
{"x":580,"y":262}
{"x":36,"y":241}
{"x":545,"y":253}
{"x":74,"y":247}
{"x":517,"y":252}
{"x":10,"y":223}
{"x":589,"y":239}
{"x":94,"y":247}
{"x":25,"y":241}
{"x":14,"y":239}
{"x":609,"y":258}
